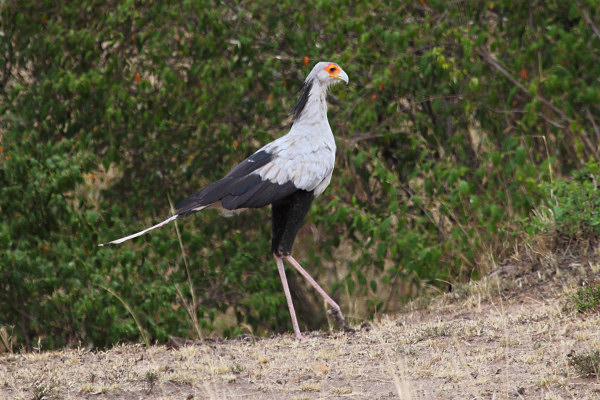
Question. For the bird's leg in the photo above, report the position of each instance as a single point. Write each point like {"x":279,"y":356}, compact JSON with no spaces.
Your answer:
{"x":288,"y":296}
{"x":332,"y":303}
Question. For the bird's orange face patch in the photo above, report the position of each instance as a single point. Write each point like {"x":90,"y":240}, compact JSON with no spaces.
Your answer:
{"x":332,"y":69}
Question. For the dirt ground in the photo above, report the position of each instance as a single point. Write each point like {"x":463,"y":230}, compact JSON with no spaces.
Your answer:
{"x":510,"y":336}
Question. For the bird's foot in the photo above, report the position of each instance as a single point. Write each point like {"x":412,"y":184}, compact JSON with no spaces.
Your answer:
{"x":338,"y":317}
{"x":347,"y":329}
{"x":300,"y":337}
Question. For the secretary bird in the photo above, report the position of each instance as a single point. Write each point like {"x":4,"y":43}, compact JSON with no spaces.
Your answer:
{"x":287,"y":173}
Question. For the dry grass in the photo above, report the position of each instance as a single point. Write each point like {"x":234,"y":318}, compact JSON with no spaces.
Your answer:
{"x":508,"y":336}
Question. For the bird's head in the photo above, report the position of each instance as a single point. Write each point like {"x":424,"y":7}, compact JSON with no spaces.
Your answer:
{"x":323,"y":75}
{"x":327,"y":73}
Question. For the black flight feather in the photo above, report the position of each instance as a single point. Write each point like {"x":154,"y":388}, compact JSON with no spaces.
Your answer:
{"x":240,"y":188}
{"x":260,"y":194}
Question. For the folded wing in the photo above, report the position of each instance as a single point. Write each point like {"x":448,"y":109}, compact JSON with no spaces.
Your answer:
{"x":242,"y":187}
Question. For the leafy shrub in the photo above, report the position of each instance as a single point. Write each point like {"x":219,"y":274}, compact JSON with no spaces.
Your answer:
{"x":586,"y":298}
{"x":570,"y":210}
{"x":586,"y":363}
{"x":454,"y":116}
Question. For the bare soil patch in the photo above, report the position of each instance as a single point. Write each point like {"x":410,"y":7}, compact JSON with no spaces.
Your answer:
{"x":509,"y":336}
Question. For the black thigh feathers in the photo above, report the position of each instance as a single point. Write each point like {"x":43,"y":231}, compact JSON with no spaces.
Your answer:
{"x":287,"y":218}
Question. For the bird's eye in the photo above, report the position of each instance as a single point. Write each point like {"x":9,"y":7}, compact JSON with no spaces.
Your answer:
{"x":332,"y":68}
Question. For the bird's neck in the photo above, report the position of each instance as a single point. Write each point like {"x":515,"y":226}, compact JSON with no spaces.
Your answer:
{"x":314,"y":111}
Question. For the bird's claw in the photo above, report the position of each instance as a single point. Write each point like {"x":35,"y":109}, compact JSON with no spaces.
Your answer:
{"x":338,"y":317}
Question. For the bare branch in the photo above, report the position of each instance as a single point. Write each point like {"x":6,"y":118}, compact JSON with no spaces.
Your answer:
{"x":591,"y":118}
{"x":360,"y":137}
{"x":587,"y":18}
{"x":588,"y":143}
{"x":521,"y":111}
{"x":490,"y":60}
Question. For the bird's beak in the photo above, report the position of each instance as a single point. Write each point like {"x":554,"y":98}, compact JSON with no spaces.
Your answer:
{"x":343,"y":76}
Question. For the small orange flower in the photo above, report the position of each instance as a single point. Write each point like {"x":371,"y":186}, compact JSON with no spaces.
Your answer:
{"x":235,"y":144}
{"x":270,"y":97}
{"x":373,"y":96}
{"x":524,"y":74}
{"x":321,"y":369}
{"x":137,"y":78}
{"x":380,"y":86}
{"x":306,"y":59}
{"x":133,"y":37}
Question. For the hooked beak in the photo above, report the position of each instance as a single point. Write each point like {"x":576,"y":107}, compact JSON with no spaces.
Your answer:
{"x":343,"y":76}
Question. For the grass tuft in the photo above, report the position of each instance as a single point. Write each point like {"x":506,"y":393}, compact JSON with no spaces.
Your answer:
{"x":586,"y":298}
{"x":6,"y":340}
{"x":341,"y":390}
{"x":586,"y":364}
{"x":141,"y":329}
{"x":45,"y":391}
{"x":432,"y":331}
{"x":150,"y":380}
{"x":237,"y":368}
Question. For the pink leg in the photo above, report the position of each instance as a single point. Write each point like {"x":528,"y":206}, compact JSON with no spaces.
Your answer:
{"x":332,"y":303}
{"x":288,"y":296}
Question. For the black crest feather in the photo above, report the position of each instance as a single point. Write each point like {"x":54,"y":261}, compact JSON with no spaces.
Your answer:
{"x":299,"y":107}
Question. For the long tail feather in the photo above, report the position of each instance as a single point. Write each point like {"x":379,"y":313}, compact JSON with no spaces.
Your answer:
{"x":157,"y":226}
{"x":140,"y":233}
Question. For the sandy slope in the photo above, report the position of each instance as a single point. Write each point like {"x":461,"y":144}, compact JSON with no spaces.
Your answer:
{"x":508,"y":336}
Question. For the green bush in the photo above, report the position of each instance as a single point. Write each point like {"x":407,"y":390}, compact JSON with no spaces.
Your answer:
{"x":586,"y":363}
{"x":569,"y":212}
{"x":455,"y":115}
{"x":586,"y":298}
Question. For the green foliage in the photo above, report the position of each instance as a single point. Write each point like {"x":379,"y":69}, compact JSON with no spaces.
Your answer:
{"x":571,"y":207}
{"x":586,"y":363}
{"x":577,"y":203}
{"x":455,"y":115}
{"x":586,"y":298}
{"x":150,"y":379}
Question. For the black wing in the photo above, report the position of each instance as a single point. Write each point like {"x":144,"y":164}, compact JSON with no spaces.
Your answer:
{"x":240,"y":188}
